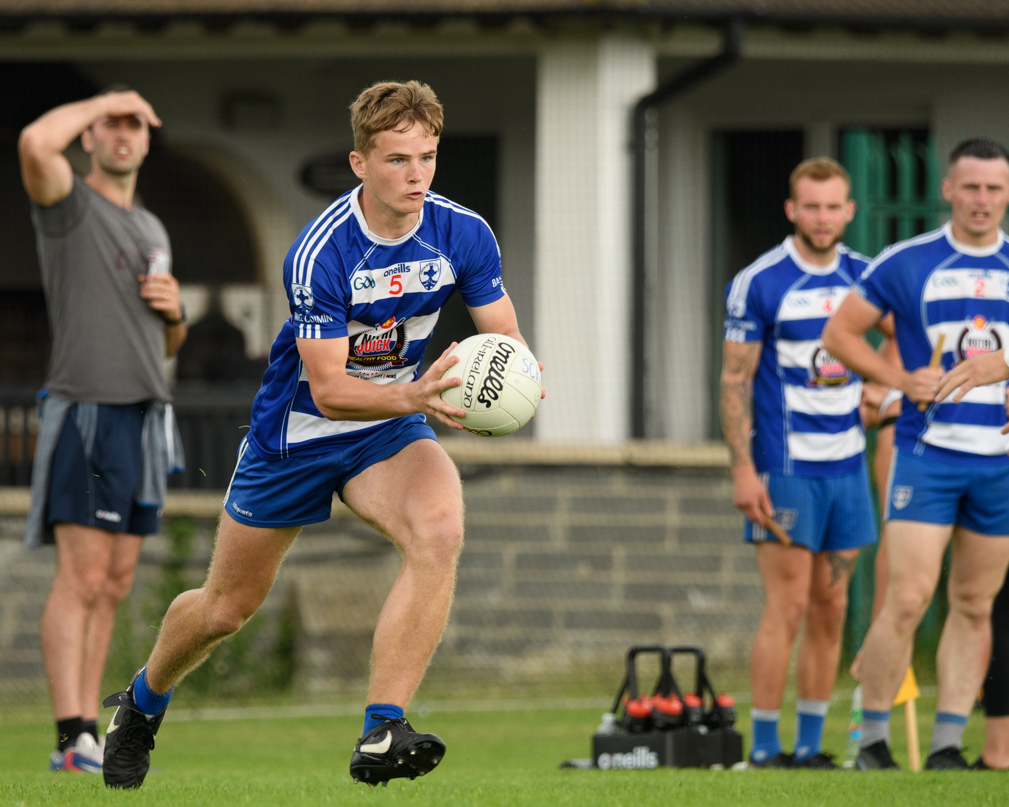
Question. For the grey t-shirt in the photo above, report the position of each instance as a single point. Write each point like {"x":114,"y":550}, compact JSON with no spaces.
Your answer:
{"x":108,"y":345}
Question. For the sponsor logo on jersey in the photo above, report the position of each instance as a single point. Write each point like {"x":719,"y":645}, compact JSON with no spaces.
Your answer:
{"x":430,"y":274}
{"x":944,"y":281}
{"x":398,"y":269}
{"x":303,"y":297}
{"x":977,"y":338}
{"x":902,"y":496}
{"x":737,"y":324}
{"x":312,"y":318}
{"x":362,"y":282}
{"x":379,"y":347}
{"x":828,"y":371}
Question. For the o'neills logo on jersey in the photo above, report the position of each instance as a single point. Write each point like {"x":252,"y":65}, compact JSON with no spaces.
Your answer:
{"x":385,"y":345}
{"x":977,"y":338}
{"x":828,"y":370}
{"x":494,"y":377}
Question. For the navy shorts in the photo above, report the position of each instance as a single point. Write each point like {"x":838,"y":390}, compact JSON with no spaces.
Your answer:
{"x":297,"y":491}
{"x":823,"y":514}
{"x":94,"y":485}
{"x":974,"y":496}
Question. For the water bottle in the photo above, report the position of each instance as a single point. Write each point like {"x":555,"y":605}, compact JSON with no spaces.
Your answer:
{"x":609,"y":724}
{"x":854,"y":728}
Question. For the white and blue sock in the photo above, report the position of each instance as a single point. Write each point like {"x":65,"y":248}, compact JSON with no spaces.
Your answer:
{"x":948,"y":731}
{"x":147,"y":700}
{"x":376,"y":713}
{"x":809,"y":717}
{"x":765,"y":734}
{"x":875,"y":727}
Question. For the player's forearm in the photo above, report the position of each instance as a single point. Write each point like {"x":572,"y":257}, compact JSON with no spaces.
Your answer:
{"x":856,"y":354}
{"x":349,"y":398}
{"x":737,"y":417}
{"x":52,"y":133}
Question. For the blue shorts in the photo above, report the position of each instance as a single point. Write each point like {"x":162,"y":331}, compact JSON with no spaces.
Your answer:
{"x":823,"y":514}
{"x":296,"y":491}
{"x":932,"y":492}
{"x":94,"y":485}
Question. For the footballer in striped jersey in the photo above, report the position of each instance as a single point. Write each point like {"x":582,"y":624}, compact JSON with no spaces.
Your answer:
{"x":790,"y":414}
{"x":342,"y":410}
{"x":948,"y":291}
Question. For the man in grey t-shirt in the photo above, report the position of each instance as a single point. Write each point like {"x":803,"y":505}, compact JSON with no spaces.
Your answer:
{"x":115,"y":314}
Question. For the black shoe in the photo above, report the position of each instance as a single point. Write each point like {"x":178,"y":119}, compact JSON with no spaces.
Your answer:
{"x":393,"y":750}
{"x":876,"y":757}
{"x":818,"y":762}
{"x":128,"y":741}
{"x":779,"y":760}
{"x":946,"y":759}
{"x":980,"y":765}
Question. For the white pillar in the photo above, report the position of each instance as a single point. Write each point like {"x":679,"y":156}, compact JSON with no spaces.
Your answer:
{"x":586,"y":90}
{"x":679,"y":388}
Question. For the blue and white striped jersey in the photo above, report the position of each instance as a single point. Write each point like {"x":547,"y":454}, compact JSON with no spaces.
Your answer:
{"x":805,"y":402}
{"x":384,"y":295}
{"x":934,"y":284}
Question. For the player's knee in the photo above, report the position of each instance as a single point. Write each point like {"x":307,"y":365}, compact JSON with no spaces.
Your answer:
{"x":85,"y":585}
{"x":789,"y":613}
{"x":118,"y":584}
{"x":117,"y":587}
{"x":829,"y":611}
{"x":437,"y":540}
{"x":226,"y":616}
{"x":907,"y":607}
{"x":971,"y":605}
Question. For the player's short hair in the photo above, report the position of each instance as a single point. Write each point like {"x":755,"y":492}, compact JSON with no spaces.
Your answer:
{"x":394,"y":105}
{"x":818,"y":169}
{"x":980,"y":148}
{"x":116,"y":87}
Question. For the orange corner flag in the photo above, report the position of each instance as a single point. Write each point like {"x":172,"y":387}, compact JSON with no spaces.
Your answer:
{"x":908,"y":690}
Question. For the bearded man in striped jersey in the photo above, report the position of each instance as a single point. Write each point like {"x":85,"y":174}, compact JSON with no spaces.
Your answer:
{"x":790,"y":414}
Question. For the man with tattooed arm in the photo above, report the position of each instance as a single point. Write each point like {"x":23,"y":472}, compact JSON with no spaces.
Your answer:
{"x":790,"y":414}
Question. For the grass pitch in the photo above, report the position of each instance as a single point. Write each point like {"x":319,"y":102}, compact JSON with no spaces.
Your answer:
{"x":493,"y":758}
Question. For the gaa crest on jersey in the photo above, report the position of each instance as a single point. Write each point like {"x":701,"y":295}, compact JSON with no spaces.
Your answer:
{"x":901,"y":497}
{"x":827,"y":370}
{"x":977,"y":338}
{"x":302,"y":296}
{"x":430,"y":274}
{"x":379,"y":348}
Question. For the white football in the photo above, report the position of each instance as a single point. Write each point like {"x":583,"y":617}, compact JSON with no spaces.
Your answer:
{"x":500,"y":387}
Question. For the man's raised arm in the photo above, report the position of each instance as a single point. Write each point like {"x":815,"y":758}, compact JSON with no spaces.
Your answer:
{"x":45,"y":171}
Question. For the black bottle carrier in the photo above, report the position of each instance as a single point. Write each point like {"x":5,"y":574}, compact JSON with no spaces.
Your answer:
{"x":669,"y":727}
